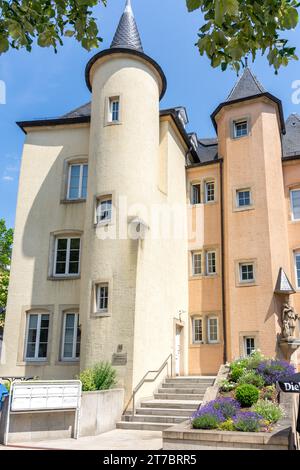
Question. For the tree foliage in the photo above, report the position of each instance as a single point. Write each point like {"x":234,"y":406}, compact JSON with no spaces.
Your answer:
{"x":47,"y":21}
{"x":6,"y":240}
{"x":234,"y":29}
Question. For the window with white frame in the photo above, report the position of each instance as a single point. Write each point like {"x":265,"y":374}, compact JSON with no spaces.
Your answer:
{"x":243,"y":198}
{"x":196,"y":263}
{"x":246,"y":272}
{"x":197,"y":330}
{"x":297,"y":268}
{"x":71,"y":337}
{"x":67,"y":256}
{"x":240,"y":128}
{"x":196,"y":193}
{"x":114,"y":109}
{"x":213,"y":330}
{"x":102,"y":292}
{"x":211,"y":264}
{"x":249,"y":344}
{"x":295,"y":203}
{"x":104,"y":210}
{"x":77,"y":181}
{"x":37,"y":334}
{"x":209,"y":191}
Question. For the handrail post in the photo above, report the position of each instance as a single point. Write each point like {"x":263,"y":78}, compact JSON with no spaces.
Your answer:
{"x":133,"y":404}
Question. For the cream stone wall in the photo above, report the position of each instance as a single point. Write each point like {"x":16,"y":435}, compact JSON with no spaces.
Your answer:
{"x":205,"y":292}
{"x":258,"y":234}
{"x":40,"y":213}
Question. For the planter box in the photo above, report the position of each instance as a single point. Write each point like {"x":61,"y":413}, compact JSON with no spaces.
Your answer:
{"x":182,"y":437}
{"x":100,"y":411}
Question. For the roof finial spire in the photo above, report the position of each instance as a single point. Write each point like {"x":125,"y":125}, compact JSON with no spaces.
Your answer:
{"x":127,"y":34}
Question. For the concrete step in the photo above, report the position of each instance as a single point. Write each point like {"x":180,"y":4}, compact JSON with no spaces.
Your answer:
{"x":166,"y":412}
{"x":143,"y":426}
{"x":178,"y":404}
{"x":177,"y":396}
{"x":182,"y":391}
{"x":202,"y":387}
{"x":185,"y":380}
{"x":155,"y":419}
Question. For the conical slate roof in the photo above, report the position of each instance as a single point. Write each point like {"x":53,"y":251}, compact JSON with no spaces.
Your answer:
{"x":127,"y":35}
{"x":246,"y":86}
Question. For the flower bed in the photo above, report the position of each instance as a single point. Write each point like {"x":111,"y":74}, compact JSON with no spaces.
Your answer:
{"x":247,"y":400}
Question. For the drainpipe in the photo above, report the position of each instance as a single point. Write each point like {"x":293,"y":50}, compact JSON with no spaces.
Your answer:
{"x":225,"y":357}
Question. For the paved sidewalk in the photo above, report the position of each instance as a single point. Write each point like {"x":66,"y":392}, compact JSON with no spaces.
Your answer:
{"x":118,"y":439}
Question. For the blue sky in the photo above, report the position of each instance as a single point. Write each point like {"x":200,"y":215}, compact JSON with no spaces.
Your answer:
{"x":44,"y":84}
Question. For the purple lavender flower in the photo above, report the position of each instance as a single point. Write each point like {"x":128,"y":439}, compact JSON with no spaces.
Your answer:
{"x":247,"y":422}
{"x":224,"y":408}
{"x":274,"y":370}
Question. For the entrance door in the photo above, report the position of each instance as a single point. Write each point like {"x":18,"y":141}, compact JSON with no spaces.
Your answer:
{"x":178,"y":351}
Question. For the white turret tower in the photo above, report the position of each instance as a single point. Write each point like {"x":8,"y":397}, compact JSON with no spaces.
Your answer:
{"x":128,"y":318}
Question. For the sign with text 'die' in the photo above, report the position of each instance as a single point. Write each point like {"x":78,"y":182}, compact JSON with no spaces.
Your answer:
{"x":290,"y":384}
{"x":43,"y":396}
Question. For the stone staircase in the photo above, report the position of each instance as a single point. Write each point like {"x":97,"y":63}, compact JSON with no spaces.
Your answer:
{"x":175,"y":402}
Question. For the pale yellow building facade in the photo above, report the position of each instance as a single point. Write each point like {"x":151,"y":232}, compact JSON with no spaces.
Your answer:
{"x":136,"y":241}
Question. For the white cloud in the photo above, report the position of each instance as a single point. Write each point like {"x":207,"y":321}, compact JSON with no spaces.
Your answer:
{"x":8,"y":178}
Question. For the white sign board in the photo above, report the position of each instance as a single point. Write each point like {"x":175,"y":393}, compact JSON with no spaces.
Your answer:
{"x":43,"y":396}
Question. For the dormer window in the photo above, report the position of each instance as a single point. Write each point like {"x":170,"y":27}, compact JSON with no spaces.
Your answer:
{"x":241,"y":129}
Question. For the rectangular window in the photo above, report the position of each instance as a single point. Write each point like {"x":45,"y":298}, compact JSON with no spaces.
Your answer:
{"x":211,"y":266}
{"x":197,"y":330}
{"x":37,"y":333}
{"x":104,"y":210}
{"x":297,"y":266}
{"x":243,"y":198}
{"x":102,"y":297}
{"x":197,"y":264}
{"x":67,"y":257}
{"x":240,"y":129}
{"x":246,"y":272}
{"x":209,"y":191}
{"x":114,"y":109}
{"x":196,"y":194}
{"x":213,"y":330}
{"x":71,"y":337}
{"x":249,"y":346}
{"x":295,"y":202}
{"x":77,"y":182}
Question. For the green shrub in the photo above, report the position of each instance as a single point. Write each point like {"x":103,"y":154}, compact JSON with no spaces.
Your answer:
{"x":236,"y":373}
{"x":227,"y":425}
{"x":251,"y":377}
{"x":268,"y":410}
{"x":207,"y":421}
{"x":254,"y":360}
{"x":247,"y":395}
{"x":100,"y":377}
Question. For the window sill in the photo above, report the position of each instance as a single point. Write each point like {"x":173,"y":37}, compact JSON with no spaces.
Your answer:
{"x":113,"y":123}
{"x":103,"y":224}
{"x":101,"y":315}
{"x":243,"y":209}
{"x":240,"y":137}
{"x":247,"y":284}
{"x":64,"y":278}
{"x":72,"y":201}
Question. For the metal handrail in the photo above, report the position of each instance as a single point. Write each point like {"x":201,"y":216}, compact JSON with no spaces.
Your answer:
{"x":145,"y":380}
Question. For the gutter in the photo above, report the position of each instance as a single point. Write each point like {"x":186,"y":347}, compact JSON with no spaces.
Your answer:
{"x":224,"y":315}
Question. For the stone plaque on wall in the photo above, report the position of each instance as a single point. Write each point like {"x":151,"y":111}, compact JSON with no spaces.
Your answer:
{"x":119,"y":359}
